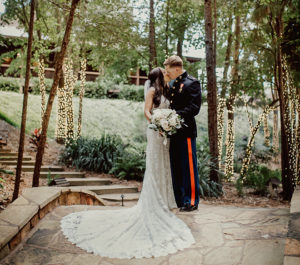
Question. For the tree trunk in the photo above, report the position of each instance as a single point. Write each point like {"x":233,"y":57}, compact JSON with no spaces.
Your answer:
{"x":25,"y":101}
{"x":215,"y":33}
{"x":247,"y":156}
{"x":167,"y":28}
{"x":298,"y":138}
{"x":287,"y":183}
{"x":57,"y":74}
{"x":70,"y":80}
{"x":42,"y":87}
{"x":179,"y":46}
{"x":211,"y":90}
{"x":222,"y":100}
{"x":152,"y":43}
{"x":227,"y":58}
{"x":266,"y":132}
{"x":81,"y":94}
{"x":275,"y":137}
{"x":231,"y":101}
{"x":61,"y":117}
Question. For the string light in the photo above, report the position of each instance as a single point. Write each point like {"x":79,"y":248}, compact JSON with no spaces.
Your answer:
{"x":266,"y":132}
{"x":253,"y":131}
{"x":81,"y":94}
{"x":291,"y":105}
{"x":220,"y":117}
{"x":229,"y":159}
{"x":70,"y":80}
{"x":275,"y":137}
{"x":41,"y":74}
{"x":60,"y":129}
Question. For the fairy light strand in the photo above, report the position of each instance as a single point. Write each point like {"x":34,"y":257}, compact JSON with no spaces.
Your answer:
{"x":81,"y":94}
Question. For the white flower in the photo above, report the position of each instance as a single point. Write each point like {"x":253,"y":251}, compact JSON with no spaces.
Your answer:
{"x":165,"y":125}
{"x":173,"y":121}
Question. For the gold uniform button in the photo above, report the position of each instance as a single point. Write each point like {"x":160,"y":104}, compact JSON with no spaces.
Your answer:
{"x":172,"y":94}
{"x":171,"y":101}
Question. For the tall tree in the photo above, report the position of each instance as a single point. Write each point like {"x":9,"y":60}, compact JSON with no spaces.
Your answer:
{"x":211,"y":89}
{"x":57,"y":74}
{"x":222,"y":99}
{"x":275,"y":19}
{"x":167,"y":28}
{"x":25,"y":100}
{"x":232,"y":97}
{"x":152,"y":43}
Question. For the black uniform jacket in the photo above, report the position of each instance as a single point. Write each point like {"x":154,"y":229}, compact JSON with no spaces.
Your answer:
{"x":185,"y":98}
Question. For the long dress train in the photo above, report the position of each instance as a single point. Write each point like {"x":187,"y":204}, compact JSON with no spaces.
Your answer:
{"x":148,"y":229}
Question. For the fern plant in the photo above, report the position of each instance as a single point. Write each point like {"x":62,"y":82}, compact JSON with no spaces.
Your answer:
{"x":97,"y":155}
{"x":131,"y":165}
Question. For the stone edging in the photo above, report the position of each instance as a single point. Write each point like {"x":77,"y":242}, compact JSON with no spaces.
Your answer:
{"x":292,"y":243}
{"x":24,"y":213}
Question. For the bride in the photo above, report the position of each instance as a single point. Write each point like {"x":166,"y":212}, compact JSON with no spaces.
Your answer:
{"x":148,"y":229}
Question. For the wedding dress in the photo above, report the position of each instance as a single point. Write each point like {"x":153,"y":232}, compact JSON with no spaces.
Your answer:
{"x":148,"y":229}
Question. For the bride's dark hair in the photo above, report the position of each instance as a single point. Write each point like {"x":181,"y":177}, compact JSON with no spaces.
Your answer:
{"x":156,"y":78}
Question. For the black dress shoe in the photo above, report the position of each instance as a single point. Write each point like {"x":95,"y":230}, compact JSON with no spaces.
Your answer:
{"x":188,"y":208}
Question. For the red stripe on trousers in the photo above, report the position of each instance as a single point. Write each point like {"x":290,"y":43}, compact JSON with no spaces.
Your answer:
{"x":191,"y":171}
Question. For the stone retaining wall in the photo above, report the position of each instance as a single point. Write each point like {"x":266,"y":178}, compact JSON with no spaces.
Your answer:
{"x":24,"y":213}
{"x":292,"y":244}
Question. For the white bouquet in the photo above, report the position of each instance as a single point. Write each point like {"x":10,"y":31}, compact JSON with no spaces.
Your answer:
{"x":166,"y":121}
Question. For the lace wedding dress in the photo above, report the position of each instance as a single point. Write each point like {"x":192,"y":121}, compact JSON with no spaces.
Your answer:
{"x":148,"y":229}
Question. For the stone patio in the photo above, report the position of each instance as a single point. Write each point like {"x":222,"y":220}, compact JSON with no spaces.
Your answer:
{"x":224,"y":235}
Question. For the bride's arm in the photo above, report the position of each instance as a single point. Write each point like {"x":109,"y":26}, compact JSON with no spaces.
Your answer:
{"x":149,"y":103}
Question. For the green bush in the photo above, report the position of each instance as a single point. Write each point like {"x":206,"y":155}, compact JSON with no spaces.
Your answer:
{"x":98,"y":89}
{"x":131,"y":165}
{"x":97,"y":155}
{"x":258,"y":177}
{"x":207,"y":187}
{"x":9,"y":84}
{"x":131,"y":92}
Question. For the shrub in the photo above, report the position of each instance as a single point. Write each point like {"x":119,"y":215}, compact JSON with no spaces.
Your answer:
{"x":97,"y":89}
{"x":207,"y":187}
{"x":97,"y":155}
{"x":131,"y":92}
{"x":9,"y":84}
{"x":258,"y":177}
{"x":131,"y":165}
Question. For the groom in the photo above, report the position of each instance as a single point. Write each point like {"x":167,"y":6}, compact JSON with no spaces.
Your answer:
{"x":185,"y":99}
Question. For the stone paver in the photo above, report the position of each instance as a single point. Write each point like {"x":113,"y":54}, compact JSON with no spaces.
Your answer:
{"x":224,"y":236}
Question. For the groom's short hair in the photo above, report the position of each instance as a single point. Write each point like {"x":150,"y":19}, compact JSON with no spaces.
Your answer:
{"x":173,"y":61}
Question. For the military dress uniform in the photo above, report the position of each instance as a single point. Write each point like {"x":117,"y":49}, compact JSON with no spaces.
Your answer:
{"x":185,"y":99}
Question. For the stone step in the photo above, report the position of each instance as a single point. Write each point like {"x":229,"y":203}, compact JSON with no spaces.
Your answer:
{"x":4,"y":149}
{"x":14,"y":163}
{"x":108,"y":189}
{"x":4,"y":153}
{"x":88,"y":181}
{"x":63,"y":174}
{"x":43,"y":168}
{"x":11,"y":158}
{"x":118,"y":198}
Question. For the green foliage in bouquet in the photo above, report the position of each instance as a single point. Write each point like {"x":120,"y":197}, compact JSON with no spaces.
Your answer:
{"x":97,"y":155}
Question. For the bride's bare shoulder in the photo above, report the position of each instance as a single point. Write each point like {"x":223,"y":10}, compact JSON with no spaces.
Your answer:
{"x":151,"y":90}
